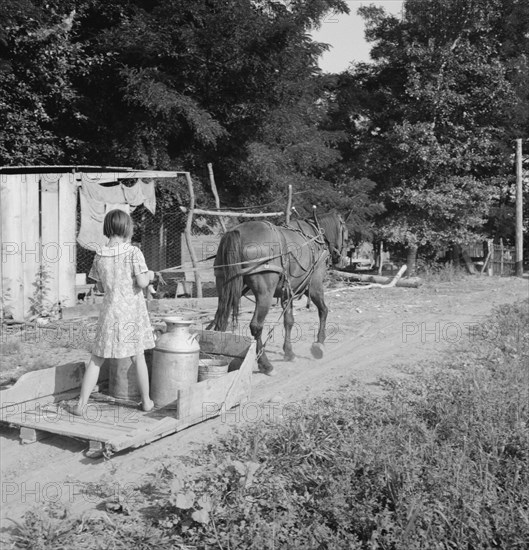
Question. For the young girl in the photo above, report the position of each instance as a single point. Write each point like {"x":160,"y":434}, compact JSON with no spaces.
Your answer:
{"x":123,"y":328}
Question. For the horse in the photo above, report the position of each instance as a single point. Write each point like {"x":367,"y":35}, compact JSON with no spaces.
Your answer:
{"x":272,"y":261}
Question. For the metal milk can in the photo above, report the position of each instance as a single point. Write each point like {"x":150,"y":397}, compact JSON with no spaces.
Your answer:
{"x":175,"y":361}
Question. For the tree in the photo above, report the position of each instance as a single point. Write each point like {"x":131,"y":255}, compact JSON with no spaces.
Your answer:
{"x":433,"y":117}
{"x":37,"y":98}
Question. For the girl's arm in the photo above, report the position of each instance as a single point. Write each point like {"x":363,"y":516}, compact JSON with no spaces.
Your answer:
{"x":143,"y":279}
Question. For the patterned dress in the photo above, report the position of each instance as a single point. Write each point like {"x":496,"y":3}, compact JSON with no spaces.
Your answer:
{"x":124,"y":328}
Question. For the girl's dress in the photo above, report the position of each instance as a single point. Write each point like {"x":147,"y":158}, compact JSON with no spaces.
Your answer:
{"x":124,"y":328}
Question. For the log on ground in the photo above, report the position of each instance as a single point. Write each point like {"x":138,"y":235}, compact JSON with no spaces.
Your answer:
{"x":412,"y":282}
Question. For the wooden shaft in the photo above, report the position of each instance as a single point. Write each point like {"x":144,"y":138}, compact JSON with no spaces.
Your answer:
{"x":289,"y":205}
{"x":231,"y":214}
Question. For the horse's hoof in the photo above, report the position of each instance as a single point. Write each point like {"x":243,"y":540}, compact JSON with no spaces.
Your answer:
{"x":317,"y":350}
{"x":268,"y":370}
{"x":289,"y":356}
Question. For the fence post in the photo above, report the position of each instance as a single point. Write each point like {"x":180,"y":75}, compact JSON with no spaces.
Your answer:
{"x":215,"y":194}
{"x":289,"y":205}
{"x":518,"y":266}
{"x":501,"y":257}
{"x":189,"y":223}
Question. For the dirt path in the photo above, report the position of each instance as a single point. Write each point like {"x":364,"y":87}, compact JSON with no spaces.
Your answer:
{"x":370,"y":332}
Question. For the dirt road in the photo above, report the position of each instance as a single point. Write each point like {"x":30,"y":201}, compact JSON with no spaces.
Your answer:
{"x":370,"y":333}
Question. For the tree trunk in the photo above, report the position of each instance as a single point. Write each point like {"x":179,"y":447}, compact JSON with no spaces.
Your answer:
{"x":411,"y":260}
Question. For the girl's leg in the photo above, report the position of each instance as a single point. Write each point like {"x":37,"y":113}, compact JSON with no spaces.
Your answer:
{"x":90,"y":378}
{"x":142,"y":375}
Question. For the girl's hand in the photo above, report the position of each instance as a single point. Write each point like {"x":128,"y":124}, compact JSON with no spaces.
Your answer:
{"x":151,"y":275}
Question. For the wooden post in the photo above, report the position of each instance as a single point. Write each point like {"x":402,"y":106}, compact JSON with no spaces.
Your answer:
{"x":289,"y":205}
{"x":490,"y":249}
{"x":501,"y":257}
{"x":189,"y":223}
{"x":380,"y":259}
{"x":519,"y":210}
{"x":215,"y":194}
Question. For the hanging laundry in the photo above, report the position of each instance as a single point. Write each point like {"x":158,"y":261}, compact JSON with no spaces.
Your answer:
{"x":123,"y":207}
{"x":141,"y":193}
{"x":92,"y":215}
{"x":97,"y":200}
{"x":150,"y":196}
{"x":107,"y":194}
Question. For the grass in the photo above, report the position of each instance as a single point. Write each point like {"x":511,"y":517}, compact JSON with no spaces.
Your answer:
{"x":11,"y":346}
{"x":440,"y":461}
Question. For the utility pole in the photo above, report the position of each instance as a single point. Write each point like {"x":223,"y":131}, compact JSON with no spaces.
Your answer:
{"x":519,"y":209}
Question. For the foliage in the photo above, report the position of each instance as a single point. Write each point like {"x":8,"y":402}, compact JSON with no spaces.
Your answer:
{"x":40,"y":305}
{"x":170,"y":86}
{"x":431,"y":121}
{"x":6,"y":310}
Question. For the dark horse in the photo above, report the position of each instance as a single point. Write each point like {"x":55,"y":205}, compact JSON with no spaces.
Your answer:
{"x":273,"y":261}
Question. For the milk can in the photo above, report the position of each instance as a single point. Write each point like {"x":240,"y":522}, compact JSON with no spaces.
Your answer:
{"x":175,"y":361}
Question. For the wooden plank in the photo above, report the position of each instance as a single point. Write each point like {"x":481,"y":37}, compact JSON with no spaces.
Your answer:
{"x":50,"y":238}
{"x":16,"y":413}
{"x":146,"y":435}
{"x":43,"y":383}
{"x":75,"y":426}
{"x":67,"y":223}
{"x":211,"y":396}
{"x":224,"y":343}
{"x":30,"y":435}
{"x":11,"y":224}
{"x":31,"y":246}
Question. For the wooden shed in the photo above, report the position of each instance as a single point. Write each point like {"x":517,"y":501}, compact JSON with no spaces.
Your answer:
{"x":38,"y":230}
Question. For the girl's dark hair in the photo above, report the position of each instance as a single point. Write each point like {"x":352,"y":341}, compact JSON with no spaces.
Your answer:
{"x":118,"y":223}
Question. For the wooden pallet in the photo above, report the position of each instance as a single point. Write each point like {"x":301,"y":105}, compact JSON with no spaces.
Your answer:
{"x":36,"y":402}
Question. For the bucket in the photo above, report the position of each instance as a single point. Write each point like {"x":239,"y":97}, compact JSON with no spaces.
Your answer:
{"x":212,"y":368}
{"x":122,"y":381}
{"x":175,"y":361}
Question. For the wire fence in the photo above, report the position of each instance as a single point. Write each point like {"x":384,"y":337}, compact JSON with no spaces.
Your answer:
{"x":169,"y":248}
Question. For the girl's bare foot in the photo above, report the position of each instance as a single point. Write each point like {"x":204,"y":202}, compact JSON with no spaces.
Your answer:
{"x":76,"y":410}
{"x":147,"y":405}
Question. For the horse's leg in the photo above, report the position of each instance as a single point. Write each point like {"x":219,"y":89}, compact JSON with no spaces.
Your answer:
{"x":288,"y":309}
{"x":316,"y":295}
{"x":263,"y":286}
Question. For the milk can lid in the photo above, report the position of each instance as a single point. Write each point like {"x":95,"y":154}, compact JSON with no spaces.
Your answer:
{"x":178,"y":320}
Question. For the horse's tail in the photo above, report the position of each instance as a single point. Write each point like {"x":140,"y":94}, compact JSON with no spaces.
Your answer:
{"x":229,"y":256}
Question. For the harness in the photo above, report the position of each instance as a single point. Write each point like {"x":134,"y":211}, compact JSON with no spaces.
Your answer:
{"x":315,"y":243}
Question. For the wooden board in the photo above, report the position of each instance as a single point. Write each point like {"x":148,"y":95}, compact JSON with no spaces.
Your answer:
{"x":34,"y":402}
{"x":12,"y":237}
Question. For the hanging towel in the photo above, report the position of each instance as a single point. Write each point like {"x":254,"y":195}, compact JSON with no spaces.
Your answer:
{"x":96,"y":201}
{"x":107,"y":194}
{"x":150,"y":196}
{"x":124,"y":207}
{"x":92,"y":216}
{"x":141,"y":193}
